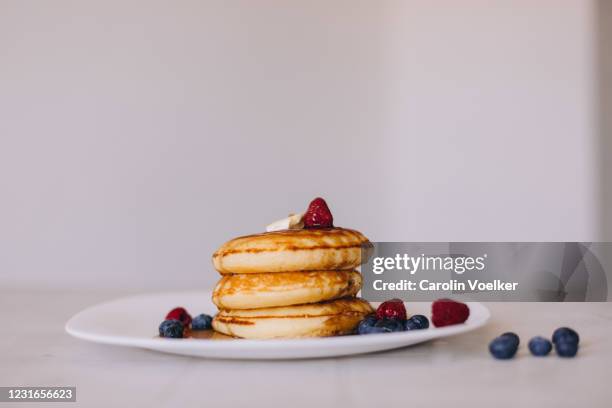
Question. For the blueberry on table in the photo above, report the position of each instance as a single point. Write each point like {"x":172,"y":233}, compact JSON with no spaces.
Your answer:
{"x":513,"y":336}
{"x":565,"y":334}
{"x":416,"y":322}
{"x":201,"y":322}
{"x":390,"y":325}
{"x":503,"y":347}
{"x":539,"y":346}
{"x":566,"y":348}
{"x":171,"y":328}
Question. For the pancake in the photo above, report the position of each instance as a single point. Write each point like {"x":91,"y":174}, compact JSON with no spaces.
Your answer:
{"x":331,"y":318}
{"x":256,"y":290}
{"x":293,"y":250}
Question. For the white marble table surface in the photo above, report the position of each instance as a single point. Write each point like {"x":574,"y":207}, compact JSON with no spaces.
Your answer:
{"x":458,"y":371}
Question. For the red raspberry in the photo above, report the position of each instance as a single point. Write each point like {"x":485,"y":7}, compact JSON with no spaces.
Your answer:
{"x":318,"y":215}
{"x":445,"y":312}
{"x":391,"y":309}
{"x":180,"y":314}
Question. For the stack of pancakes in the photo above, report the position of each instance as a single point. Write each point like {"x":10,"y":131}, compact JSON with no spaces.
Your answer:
{"x":290,"y":283}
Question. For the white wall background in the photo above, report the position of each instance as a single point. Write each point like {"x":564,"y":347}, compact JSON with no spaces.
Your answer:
{"x":136,"y":137}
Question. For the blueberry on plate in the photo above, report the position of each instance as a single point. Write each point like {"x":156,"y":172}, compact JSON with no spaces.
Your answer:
{"x":503,"y":347}
{"x":565,"y":334}
{"x":539,"y":346}
{"x":513,"y":336}
{"x":566,"y":348}
{"x":411,"y":325}
{"x":171,"y":328}
{"x":390,"y":325}
{"x":366,"y":326}
{"x":416,"y":322}
{"x":370,"y":320}
{"x":201,"y":322}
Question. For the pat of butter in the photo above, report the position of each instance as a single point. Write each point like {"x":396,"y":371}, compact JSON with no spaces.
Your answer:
{"x":293,"y":221}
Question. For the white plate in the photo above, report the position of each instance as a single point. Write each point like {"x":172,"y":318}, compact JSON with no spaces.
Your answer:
{"x":134,"y":321}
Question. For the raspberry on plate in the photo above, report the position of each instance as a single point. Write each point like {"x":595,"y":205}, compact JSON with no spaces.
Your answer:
{"x":180,"y":314}
{"x":392,"y":309}
{"x":445,"y":312}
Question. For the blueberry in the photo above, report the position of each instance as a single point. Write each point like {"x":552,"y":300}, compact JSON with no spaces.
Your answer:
{"x":366,"y":326}
{"x":370,"y":320}
{"x":565,"y":334}
{"x":513,"y":336}
{"x":370,"y":330}
{"x":539,"y":346}
{"x":416,"y":322}
{"x":566,"y":348}
{"x":503,"y":347}
{"x":411,"y":325}
{"x":171,"y":328}
{"x":390,"y":325}
{"x":201,"y":322}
